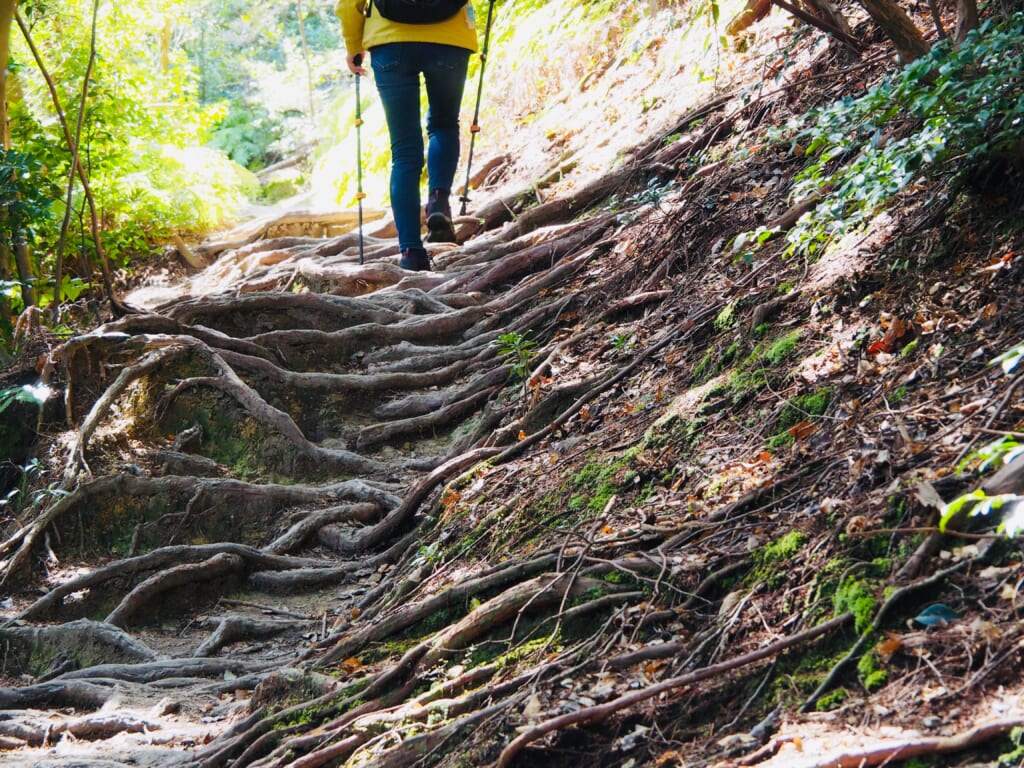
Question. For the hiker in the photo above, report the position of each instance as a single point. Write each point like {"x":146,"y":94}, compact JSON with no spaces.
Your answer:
{"x":399,"y":52}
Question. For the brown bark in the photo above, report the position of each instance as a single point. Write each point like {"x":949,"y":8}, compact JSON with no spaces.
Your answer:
{"x":898,"y":27}
{"x":7,"y":9}
{"x":966,"y":18}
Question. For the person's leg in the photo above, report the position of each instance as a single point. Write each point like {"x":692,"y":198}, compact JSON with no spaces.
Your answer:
{"x":444,"y":70}
{"x":398,"y":83}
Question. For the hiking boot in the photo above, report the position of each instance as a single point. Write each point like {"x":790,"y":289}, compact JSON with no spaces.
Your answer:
{"x":415,"y":259}
{"x":439,"y":217}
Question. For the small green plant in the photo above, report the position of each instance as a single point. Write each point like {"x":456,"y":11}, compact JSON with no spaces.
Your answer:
{"x":1001,"y":451}
{"x":29,"y":393}
{"x":622,"y":342}
{"x":955,"y":110}
{"x":519,"y":352}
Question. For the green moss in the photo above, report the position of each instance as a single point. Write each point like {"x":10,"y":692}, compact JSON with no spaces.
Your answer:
{"x":855,"y":596}
{"x":597,"y":481}
{"x":804,"y":407}
{"x":831,"y":700}
{"x":770,"y":555}
{"x":872,"y":677}
{"x":726,"y":317}
{"x":782,"y":549}
{"x":783,"y":347}
{"x":744,"y":382}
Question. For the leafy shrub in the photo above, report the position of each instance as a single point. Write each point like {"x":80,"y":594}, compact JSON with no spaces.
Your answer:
{"x":958,"y":107}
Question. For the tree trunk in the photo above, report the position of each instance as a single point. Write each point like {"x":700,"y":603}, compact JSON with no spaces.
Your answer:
{"x":6,"y":18}
{"x":24,"y":264}
{"x":894,"y":21}
{"x":6,"y":321}
{"x":966,"y":18}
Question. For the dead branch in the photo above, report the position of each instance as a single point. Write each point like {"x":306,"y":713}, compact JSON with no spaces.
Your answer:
{"x":601,"y":711}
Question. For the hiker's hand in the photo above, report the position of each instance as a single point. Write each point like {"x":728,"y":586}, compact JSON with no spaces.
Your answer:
{"x":355,"y":64}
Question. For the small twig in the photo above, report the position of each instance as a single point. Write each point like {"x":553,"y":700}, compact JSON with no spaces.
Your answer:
{"x":268,"y":609}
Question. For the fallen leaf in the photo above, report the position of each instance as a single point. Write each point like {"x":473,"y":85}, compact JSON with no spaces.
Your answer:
{"x":803,"y":430}
{"x":888,"y":647}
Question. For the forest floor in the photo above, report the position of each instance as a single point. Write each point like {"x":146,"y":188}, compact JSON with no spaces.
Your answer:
{"x":594,"y":491}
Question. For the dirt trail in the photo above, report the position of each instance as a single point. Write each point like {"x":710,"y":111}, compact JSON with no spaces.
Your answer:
{"x":591,"y":492}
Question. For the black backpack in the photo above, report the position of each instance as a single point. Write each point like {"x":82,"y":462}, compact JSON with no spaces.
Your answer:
{"x":417,"y":11}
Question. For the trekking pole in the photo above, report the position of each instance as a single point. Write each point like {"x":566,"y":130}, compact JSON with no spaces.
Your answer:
{"x":474,"y":129}
{"x":358,"y":60}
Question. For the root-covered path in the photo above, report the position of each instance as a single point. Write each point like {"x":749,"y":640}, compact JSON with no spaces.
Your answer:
{"x":594,"y":491}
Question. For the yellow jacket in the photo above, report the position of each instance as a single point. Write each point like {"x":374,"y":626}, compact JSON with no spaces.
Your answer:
{"x":362,"y":33}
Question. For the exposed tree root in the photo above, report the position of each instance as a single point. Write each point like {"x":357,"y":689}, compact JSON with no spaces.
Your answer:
{"x":921,"y":747}
{"x":233,"y":629}
{"x":70,"y":641}
{"x":601,"y":711}
{"x":212,"y":490}
{"x":76,"y":694}
{"x":217,"y":567}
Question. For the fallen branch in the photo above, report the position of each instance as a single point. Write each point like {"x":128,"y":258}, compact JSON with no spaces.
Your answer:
{"x":601,"y":711}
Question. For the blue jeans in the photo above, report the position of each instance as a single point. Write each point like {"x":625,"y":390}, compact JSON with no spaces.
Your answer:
{"x":396,"y":71}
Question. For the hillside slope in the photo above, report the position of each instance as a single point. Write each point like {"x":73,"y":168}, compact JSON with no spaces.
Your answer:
{"x":605,"y":488}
